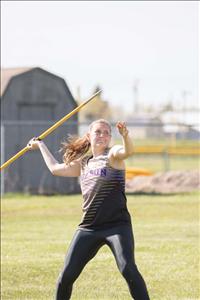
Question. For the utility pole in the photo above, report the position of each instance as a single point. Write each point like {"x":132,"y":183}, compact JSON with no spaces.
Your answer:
{"x":185,"y":110}
{"x":135,"y":92}
{"x":78,"y":92}
{"x":184,"y":96}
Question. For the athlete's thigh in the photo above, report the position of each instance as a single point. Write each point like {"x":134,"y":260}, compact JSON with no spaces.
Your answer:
{"x":83,"y":247}
{"x":121,"y":242}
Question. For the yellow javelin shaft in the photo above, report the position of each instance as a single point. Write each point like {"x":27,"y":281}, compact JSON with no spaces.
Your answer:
{"x":49,"y":130}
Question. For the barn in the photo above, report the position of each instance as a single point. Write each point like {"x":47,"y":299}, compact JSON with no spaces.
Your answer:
{"x":32,"y":101}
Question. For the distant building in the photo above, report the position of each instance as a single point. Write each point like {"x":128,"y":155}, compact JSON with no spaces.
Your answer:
{"x":182,"y":124}
{"x":145,"y":125}
{"x":33,"y":100}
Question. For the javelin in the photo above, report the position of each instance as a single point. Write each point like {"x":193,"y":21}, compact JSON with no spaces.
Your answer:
{"x":48,"y":131}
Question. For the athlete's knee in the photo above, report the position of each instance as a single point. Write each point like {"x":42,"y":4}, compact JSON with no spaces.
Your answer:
{"x":128,"y":270}
{"x":135,"y":281}
{"x":66,"y":277}
{"x":64,"y":286}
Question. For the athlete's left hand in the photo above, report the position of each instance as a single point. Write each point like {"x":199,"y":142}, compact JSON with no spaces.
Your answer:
{"x":121,"y":126}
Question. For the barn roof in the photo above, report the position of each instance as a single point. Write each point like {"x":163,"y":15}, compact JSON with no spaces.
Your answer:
{"x":8,"y":73}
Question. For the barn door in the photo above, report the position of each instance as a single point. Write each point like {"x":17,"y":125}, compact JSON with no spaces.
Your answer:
{"x":33,"y":172}
{"x":36,"y":111}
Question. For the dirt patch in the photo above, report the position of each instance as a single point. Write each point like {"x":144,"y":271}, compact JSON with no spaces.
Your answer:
{"x":165,"y":183}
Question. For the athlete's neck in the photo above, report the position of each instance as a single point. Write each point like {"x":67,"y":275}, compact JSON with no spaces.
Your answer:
{"x":98,"y":151}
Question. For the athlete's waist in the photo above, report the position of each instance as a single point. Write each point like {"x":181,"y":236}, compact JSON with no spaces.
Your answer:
{"x":105,"y":226}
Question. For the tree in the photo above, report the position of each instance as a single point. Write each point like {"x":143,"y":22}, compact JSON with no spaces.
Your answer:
{"x":99,"y":109}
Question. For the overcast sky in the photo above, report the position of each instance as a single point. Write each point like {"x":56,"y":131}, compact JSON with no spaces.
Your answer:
{"x":108,"y":43}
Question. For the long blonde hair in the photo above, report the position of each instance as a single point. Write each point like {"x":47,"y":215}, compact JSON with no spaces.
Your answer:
{"x":76,"y":147}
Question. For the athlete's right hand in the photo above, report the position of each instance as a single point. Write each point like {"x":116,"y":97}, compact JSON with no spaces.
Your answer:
{"x":33,"y":144}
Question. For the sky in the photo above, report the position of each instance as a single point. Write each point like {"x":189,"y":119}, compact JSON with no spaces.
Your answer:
{"x":112,"y":44}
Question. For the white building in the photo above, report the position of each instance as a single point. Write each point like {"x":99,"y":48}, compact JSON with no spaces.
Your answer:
{"x":182,"y":123}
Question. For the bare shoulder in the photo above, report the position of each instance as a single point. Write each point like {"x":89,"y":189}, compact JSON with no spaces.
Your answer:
{"x":113,"y":158}
{"x":114,"y":150}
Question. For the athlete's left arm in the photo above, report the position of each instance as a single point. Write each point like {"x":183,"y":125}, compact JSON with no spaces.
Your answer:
{"x":123,"y":152}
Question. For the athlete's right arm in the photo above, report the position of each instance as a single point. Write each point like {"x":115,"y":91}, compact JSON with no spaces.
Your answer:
{"x":56,"y":168}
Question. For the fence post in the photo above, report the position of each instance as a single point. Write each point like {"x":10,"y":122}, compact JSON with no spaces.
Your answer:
{"x":2,"y":158}
{"x":166,"y":160}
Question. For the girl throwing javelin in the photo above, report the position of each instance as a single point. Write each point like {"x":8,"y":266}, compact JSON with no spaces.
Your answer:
{"x":106,"y":219}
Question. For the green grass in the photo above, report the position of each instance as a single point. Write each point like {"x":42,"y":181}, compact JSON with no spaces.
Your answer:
{"x":37,"y":230}
{"x":160,"y":163}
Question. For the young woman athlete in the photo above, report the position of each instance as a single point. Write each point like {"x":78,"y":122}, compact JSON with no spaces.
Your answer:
{"x":106,"y":219}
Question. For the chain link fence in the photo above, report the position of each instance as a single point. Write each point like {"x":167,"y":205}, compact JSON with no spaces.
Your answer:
{"x":158,"y":148}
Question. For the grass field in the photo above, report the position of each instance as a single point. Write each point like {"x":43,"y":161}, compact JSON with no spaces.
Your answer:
{"x":159,"y":163}
{"x":36,"y":231}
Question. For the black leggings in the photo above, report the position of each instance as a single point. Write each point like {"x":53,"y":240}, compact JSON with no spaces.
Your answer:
{"x":85,"y":245}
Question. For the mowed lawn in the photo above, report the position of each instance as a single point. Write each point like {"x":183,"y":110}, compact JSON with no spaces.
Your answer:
{"x":37,"y":230}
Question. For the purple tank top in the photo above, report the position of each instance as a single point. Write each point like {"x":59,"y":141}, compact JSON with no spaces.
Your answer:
{"x":103,"y":190}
